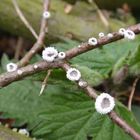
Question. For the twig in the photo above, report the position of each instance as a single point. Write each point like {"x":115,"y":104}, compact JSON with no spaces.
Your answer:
{"x":40,"y":40}
{"x":18,"y":48}
{"x":132,"y":93}
{"x":84,"y":47}
{"x":24,"y":20}
{"x":9,"y":77}
{"x":119,"y":121}
{"x":44,"y":83}
{"x":101,"y":15}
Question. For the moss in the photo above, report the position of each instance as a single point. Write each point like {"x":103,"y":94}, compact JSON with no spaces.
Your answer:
{"x":79,"y":25}
{"x":7,"y":134}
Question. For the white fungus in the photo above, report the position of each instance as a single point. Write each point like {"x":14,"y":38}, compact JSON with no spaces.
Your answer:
{"x":35,"y":66}
{"x":19,"y":72}
{"x":49,"y":54}
{"x":122,"y":31}
{"x":101,"y":34}
{"x":104,"y":103}
{"x":46,"y":14}
{"x":73,"y":74}
{"x":61,"y":55}
{"x":110,"y":35}
{"x":82,"y":83}
{"x":24,"y":132}
{"x":79,"y":46}
{"x":129,"y":34}
{"x":92,"y":41}
{"x":11,"y":67}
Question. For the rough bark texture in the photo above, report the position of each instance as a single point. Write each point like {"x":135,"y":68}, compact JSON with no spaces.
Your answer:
{"x":82,"y":23}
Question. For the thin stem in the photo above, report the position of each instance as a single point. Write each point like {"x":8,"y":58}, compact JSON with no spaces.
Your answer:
{"x":101,"y":15}
{"x":9,"y":77}
{"x":120,"y":122}
{"x":132,"y":93}
{"x":84,"y":47}
{"x":44,"y":83}
{"x":18,"y":48}
{"x":40,"y":40}
{"x":23,"y":19}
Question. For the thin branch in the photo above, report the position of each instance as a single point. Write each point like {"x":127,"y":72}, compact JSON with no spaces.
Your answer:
{"x":9,"y":77}
{"x":132,"y":93}
{"x":84,"y":47}
{"x":120,"y":122}
{"x":40,"y":40}
{"x":23,"y":19}
{"x":101,"y":15}
{"x":113,"y":115}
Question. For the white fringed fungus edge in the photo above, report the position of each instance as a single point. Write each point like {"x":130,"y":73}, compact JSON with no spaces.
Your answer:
{"x":49,"y":54}
{"x":104,"y":103}
{"x":46,"y":14}
{"x":11,"y":67}
{"x":92,"y":41}
{"x":130,"y":35}
{"x":73,"y":74}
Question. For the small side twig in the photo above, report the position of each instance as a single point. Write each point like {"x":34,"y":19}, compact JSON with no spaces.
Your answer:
{"x":101,"y":15}
{"x":40,"y":40}
{"x":44,"y":83}
{"x":132,"y":93}
{"x":24,"y":20}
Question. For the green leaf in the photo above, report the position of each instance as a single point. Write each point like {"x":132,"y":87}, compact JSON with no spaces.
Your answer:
{"x":120,"y":63}
{"x":62,"y":112}
{"x":101,"y":61}
{"x":4,"y":61}
{"x":136,"y":111}
{"x":134,"y":61}
{"x":93,"y":77}
{"x":72,"y":116}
